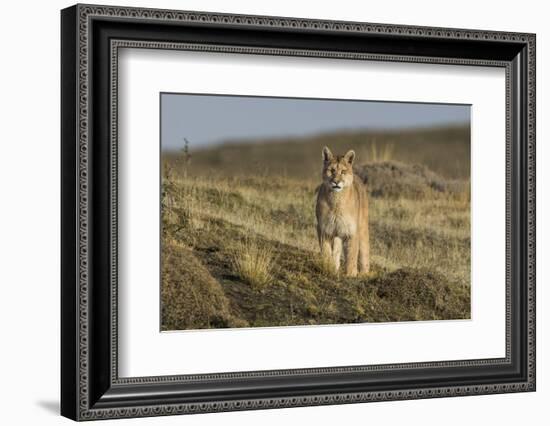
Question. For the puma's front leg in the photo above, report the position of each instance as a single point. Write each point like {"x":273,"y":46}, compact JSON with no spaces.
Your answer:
{"x":326,"y":247}
{"x":351,"y":251}
{"x":364,"y":255}
{"x":337,"y":252}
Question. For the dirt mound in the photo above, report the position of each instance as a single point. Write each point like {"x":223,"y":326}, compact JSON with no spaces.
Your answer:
{"x":191,"y":297}
{"x":418,"y":290}
{"x":392,"y":179}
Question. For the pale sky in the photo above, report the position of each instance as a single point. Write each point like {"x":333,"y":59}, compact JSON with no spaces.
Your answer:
{"x":206,"y":120}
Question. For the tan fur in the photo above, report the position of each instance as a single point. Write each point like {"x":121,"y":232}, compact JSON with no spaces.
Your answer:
{"x":343,"y":214}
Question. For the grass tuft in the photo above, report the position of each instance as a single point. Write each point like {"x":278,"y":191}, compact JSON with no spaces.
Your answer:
{"x":325,"y":265}
{"x":385,"y":153}
{"x":253,"y":263}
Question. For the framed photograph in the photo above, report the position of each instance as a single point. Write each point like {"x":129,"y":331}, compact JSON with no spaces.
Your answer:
{"x":263,"y":212}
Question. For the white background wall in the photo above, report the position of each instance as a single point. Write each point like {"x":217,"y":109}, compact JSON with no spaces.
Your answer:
{"x":29,"y":212}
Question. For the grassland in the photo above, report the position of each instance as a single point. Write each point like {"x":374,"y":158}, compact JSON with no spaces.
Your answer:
{"x":239,"y":246}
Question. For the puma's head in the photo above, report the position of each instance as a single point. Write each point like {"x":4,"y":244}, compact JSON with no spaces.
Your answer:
{"x":338,"y":170}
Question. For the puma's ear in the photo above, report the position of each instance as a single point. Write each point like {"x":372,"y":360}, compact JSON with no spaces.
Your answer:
{"x":327,"y":155}
{"x":350,"y":156}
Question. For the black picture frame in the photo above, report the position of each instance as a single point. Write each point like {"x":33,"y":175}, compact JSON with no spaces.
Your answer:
{"x":90,"y":386}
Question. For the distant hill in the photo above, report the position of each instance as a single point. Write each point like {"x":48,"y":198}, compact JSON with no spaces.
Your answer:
{"x":445,"y":150}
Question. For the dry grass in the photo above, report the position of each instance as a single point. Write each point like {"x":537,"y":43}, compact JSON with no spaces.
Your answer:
{"x":241,"y":249}
{"x":253,"y":263}
{"x":191,"y":297}
{"x":255,"y":237}
{"x":385,"y":153}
